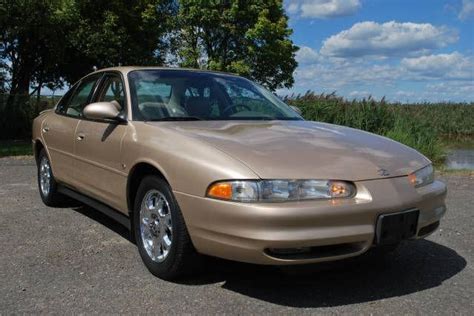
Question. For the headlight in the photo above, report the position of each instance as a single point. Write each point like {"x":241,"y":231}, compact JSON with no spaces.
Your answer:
{"x":422,"y":177}
{"x":280,"y":190}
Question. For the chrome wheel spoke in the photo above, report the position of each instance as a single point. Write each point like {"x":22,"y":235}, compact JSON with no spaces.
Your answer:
{"x":156,"y":250}
{"x":167,"y":222}
{"x":166,"y":241}
{"x":159,"y":205}
{"x":150,"y":205}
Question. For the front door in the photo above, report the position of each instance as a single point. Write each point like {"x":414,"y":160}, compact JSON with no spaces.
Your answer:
{"x":59,"y":130}
{"x":99,"y":169}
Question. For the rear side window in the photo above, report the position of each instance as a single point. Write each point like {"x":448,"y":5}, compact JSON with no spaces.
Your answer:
{"x":79,"y":98}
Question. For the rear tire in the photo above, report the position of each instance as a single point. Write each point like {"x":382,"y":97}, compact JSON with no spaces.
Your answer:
{"x":48,"y":187}
{"x":160,"y":232}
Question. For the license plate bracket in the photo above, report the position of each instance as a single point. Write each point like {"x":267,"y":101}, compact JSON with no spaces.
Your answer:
{"x":394,"y":227}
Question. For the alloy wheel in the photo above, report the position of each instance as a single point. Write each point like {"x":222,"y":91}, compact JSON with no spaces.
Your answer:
{"x":156,"y":227}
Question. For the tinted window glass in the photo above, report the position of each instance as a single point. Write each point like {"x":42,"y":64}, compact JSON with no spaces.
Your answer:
{"x":62,"y":105}
{"x":81,"y":96}
{"x":113,"y":90}
{"x":153,"y":91}
{"x":177,"y":94}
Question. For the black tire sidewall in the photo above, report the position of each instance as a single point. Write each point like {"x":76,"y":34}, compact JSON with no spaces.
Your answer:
{"x":165,"y":269}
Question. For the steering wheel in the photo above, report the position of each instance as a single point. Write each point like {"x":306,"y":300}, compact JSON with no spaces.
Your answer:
{"x":230,"y":107}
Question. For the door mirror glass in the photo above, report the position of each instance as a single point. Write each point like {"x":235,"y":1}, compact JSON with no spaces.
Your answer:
{"x":103,"y":111}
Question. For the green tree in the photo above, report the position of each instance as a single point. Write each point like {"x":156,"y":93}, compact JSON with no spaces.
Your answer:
{"x":250,"y":38}
{"x":30,"y":40}
{"x":46,"y":42}
{"x":108,"y":33}
{"x":3,"y":77}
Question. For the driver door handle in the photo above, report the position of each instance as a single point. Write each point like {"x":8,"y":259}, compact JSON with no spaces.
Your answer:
{"x":81,"y":136}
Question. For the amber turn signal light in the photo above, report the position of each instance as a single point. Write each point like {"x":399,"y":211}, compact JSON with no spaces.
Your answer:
{"x":221,"y":190}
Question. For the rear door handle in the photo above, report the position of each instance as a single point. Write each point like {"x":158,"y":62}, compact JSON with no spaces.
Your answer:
{"x":80,"y":136}
{"x":46,"y":129}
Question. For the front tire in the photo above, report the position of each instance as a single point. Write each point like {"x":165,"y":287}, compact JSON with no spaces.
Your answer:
{"x":48,"y":187}
{"x":160,"y":232}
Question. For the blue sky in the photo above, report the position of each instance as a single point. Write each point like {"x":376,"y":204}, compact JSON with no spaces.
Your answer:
{"x":405,"y":50}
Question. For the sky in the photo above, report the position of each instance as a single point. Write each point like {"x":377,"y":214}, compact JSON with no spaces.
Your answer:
{"x":405,"y":50}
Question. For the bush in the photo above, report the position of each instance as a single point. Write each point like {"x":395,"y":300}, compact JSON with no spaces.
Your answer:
{"x":17,"y":113}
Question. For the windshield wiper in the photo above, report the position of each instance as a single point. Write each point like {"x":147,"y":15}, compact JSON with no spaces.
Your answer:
{"x":176,"y":118}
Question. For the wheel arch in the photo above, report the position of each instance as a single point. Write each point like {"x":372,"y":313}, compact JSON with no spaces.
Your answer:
{"x":37,"y":147}
{"x":136,"y":174}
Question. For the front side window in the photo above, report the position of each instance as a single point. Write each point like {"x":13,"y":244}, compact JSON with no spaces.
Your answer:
{"x":80,"y":97}
{"x":192,"y":95}
{"x":112,"y":91}
{"x":62,"y":104}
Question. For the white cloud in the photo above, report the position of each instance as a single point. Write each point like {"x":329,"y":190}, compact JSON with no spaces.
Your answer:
{"x":459,"y":91}
{"x":322,"y":9}
{"x":435,"y":77}
{"x":446,"y":66}
{"x":387,"y":39}
{"x":329,"y":75}
{"x":404,"y":94}
{"x":293,"y":8}
{"x":360,"y":94}
{"x":457,"y":88}
{"x":467,"y":10}
{"x":307,"y":55}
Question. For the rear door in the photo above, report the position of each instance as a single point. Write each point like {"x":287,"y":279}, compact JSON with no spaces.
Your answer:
{"x":59,"y":129}
{"x":99,"y":169}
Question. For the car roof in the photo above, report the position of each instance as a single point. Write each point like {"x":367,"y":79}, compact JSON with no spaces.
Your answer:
{"x":126,"y":69}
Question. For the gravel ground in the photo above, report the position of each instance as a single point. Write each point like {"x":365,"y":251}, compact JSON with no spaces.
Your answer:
{"x":74,"y":260}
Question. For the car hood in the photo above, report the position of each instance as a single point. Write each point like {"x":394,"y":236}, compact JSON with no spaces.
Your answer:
{"x":304,"y":149}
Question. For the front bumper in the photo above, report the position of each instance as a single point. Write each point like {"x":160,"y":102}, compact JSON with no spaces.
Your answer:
{"x":333,"y":229}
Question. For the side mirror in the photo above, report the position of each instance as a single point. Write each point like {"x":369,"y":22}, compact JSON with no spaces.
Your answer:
{"x":103,"y":111}
{"x":296,"y":109}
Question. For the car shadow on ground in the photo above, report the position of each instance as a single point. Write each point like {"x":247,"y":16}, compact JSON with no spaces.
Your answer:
{"x":104,"y":220}
{"x":415,"y":266}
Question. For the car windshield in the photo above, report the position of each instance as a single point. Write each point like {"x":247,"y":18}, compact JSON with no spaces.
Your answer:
{"x":180,"y":95}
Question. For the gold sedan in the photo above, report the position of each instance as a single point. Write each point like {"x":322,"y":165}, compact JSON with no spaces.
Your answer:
{"x":198,"y":162}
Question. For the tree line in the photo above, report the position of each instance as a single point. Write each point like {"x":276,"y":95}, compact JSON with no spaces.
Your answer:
{"x":50,"y":43}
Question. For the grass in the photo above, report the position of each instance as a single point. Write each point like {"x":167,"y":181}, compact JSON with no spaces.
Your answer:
{"x":425,"y":127}
{"x":454,"y":172}
{"x":15,"y":148}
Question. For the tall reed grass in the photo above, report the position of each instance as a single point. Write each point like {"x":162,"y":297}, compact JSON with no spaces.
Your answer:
{"x":421,"y":126}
